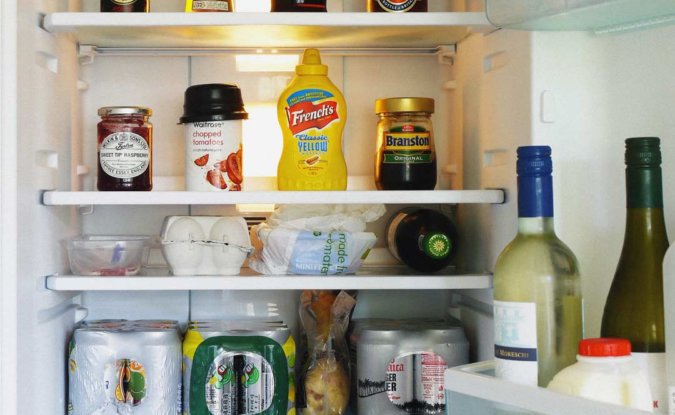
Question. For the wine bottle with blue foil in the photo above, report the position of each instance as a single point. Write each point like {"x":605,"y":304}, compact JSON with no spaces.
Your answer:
{"x":537,"y":288}
{"x":634,"y":308}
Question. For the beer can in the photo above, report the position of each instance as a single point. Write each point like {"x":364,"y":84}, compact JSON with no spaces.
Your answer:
{"x":124,"y":369}
{"x":254,"y":353}
{"x":400,"y":364}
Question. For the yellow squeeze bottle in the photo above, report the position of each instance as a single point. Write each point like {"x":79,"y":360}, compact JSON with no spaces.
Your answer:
{"x":312,"y":113}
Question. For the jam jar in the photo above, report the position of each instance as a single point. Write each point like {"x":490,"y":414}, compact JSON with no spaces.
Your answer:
{"x":405,"y":154}
{"x":125,"y":6}
{"x":124,"y":149}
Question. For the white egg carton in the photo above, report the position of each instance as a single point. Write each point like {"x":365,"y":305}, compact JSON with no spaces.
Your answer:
{"x":205,"y":245}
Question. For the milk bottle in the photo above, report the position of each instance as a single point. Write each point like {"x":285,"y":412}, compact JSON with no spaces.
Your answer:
{"x":605,"y":372}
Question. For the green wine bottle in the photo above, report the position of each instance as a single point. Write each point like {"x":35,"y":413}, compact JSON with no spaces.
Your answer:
{"x":423,"y":239}
{"x":634,"y":307}
{"x":537,"y":289}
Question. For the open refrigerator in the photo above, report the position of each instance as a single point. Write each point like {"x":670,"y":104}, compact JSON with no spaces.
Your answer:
{"x":580,"y":76}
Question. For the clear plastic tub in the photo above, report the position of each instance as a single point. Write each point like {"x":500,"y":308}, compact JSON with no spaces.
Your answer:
{"x":117,"y":255}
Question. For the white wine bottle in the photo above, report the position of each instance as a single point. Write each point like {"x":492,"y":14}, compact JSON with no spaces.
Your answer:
{"x":537,"y":289}
{"x":634,"y":307}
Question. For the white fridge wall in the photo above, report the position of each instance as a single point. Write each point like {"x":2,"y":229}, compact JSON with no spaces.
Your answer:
{"x":46,"y":78}
{"x":582,"y":94}
{"x":607,"y":88}
{"x":8,"y":206}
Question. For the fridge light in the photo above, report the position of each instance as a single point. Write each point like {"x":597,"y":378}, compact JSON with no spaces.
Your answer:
{"x":266,"y":63}
{"x":256,"y":208}
{"x":253,"y":6}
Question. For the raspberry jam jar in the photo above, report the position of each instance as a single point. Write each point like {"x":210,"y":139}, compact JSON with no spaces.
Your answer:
{"x":124,"y":149}
{"x":125,"y":6}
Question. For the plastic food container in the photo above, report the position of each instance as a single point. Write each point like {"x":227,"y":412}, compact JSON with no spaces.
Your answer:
{"x":205,"y":245}
{"x":107,"y":255}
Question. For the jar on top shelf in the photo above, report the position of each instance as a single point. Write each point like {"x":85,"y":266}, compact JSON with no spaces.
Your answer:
{"x":124,"y":149}
{"x":125,"y":6}
{"x":405,"y":155}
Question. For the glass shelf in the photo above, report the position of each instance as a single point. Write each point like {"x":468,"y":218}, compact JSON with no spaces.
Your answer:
{"x":64,"y":198}
{"x":370,"y":278}
{"x":158,"y":31}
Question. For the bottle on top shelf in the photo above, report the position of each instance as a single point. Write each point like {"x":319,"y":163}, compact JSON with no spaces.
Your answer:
{"x":423,"y":239}
{"x":298,"y":5}
{"x":537,"y":290}
{"x":634,"y":307}
{"x":312,"y":113}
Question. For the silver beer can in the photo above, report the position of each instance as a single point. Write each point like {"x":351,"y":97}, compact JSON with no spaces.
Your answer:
{"x":124,"y":369}
{"x":400,"y":364}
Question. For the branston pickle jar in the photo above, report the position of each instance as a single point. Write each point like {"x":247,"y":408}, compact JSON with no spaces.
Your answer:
{"x":124,"y":149}
{"x":405,"y":158}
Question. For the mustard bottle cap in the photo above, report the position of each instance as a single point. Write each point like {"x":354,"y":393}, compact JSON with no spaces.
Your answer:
{"x":311,"y":64}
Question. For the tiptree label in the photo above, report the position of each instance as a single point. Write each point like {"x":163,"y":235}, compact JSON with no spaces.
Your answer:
{"x":124,"y":155}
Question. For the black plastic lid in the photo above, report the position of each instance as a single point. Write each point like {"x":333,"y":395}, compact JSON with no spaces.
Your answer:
{"x":213,"y":102}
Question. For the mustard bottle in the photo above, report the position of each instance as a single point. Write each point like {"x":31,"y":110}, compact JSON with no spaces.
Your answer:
{"x":312,"y":113}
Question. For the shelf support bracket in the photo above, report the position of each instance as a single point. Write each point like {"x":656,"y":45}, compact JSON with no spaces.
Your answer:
{"x":85,"y":209}
{"x":446,"y":54}
{"x":86,"y":54}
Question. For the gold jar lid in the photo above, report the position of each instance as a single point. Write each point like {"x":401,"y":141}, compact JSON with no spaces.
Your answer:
{"x":404,"y":104}
{"x":106,"y":111}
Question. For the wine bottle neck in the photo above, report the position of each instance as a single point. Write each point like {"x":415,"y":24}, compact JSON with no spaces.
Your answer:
{"x":643,"y":224}
{"x":535,"y":226}
{"x":643,"y":187}
{"x":535,"y":196}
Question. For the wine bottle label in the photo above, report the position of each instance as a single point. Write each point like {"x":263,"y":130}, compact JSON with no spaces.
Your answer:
{"x":516,"y":342}
{"x":436,"y":245}
{"x":654,"y":366}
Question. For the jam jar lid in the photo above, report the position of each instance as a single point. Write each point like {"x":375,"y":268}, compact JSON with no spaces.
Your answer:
{"x":404,"y":104}
{"x":106,"y":111}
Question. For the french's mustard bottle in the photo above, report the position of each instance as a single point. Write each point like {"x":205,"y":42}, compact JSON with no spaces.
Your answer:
{"x":312,"y":113}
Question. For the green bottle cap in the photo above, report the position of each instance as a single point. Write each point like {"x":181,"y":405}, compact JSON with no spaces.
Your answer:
{"x":643,"y":151}
{"x":643,"y":173}
{"x":437,"y":245}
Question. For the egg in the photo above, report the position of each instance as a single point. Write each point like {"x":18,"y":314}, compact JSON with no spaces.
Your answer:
{"x":183,"y":257}
{"x":229,"y":259}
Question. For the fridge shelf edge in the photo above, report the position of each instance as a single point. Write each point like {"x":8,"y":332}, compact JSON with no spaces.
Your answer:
{"x":267,"y":30}
{"x":63,"y":198}
{"x":266,"y":282}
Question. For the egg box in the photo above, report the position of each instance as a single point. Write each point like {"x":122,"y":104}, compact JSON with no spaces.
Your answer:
{"x":205,"y":245}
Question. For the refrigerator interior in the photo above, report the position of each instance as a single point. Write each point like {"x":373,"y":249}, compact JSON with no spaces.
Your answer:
{"x":581,"y":93}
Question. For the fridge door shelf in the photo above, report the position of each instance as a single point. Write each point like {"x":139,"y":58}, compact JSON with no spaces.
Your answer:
{"x":247,"y":281}
{"x":194,"y":31}
{"x":600,"y":16}
{"x":63,"y":198}
{"x":473,"y":389}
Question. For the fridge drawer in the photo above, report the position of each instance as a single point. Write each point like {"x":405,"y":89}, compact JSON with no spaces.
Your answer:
{"x":473,"y":389}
